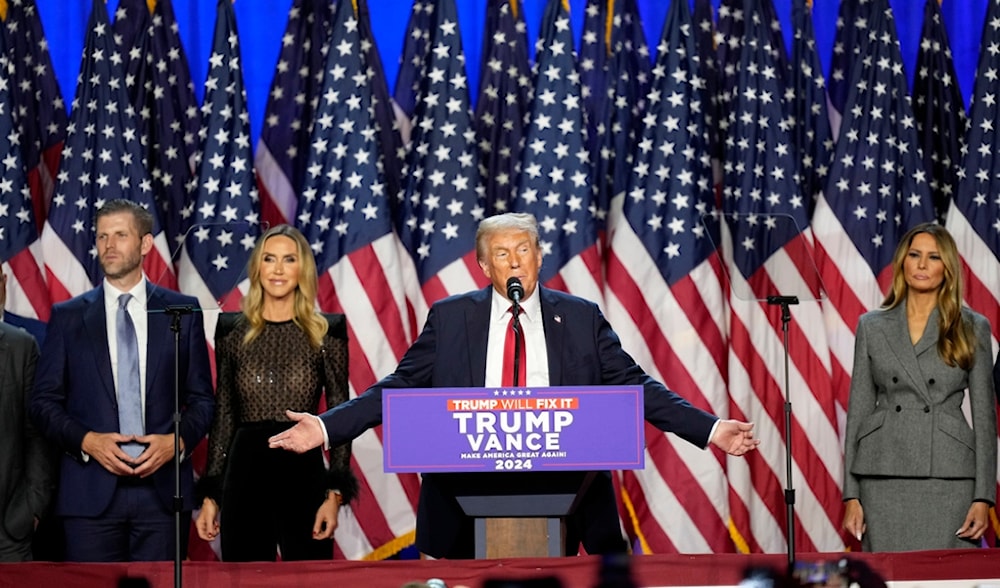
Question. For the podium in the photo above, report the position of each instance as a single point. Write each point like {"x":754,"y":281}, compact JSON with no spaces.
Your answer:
{"x":517,"y":461}
{"x":518,"y":514}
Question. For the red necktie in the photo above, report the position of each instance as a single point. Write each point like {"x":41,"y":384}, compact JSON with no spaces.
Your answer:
{"x":508,"y":354}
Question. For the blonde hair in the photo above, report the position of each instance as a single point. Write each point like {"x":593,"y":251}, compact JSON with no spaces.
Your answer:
{"x":956,"y":339}
{"x":306,"y":316}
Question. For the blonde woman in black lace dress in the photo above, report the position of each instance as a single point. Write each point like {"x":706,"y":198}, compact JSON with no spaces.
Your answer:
{"x":279,"y":355}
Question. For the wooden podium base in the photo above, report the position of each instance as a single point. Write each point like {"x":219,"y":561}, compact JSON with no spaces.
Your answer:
{"x":525,"y":510}
{"x":499,"y":537}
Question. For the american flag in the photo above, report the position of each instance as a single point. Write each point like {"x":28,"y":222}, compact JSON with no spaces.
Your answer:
{"x":846,"y":51}
{"x":442,"y":201}
{"x":555,"y":165}
{"x":812,"y":136}
{"x":413,"y":59}
{"x":40,"y":122}
{"x":159,"y":81}
{"x":769,"y":247}
{"x":344,"y":212}
{"x":593,"y":67}
{"x":664,"y":296}
{"x":131,"y":29}
{"x":41,"y":113}
{"x":223,"y":202}
{"x":708,"y":64}
{"x":505,"y":86}
{"x":102,"y":159}
{"x":26,"y":294}
{"x":972,"y":218}
{"x":624,"y":87}
{"x":975,"y":209}
{"x":730,"y":35}
{"x":728,"y":40}
{"x":291,"y":106}
{"x":387,"y":113}
{"x":877,"y":190}
{"x":939,"y":109}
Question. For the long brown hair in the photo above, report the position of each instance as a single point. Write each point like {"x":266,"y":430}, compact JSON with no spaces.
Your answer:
{"x":306,"y":316}
{"x":956,"y":340}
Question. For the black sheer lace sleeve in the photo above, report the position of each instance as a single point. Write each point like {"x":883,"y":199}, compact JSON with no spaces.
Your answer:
{"x":223,"y":426}
{"x":334,"y":358}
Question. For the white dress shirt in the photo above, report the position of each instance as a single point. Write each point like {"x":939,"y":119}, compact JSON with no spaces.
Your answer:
{"x":535,"y":355}
{"x":137,"y":309}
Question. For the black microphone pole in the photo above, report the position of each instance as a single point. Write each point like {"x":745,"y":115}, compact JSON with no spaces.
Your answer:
{"x":515,"y":290}
{"x":786,"y":317}
{"x":517,"y":342}
{"x":176,"y":311}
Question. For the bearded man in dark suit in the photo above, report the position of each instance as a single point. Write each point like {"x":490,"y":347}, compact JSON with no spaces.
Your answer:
{"x":116,"y":483}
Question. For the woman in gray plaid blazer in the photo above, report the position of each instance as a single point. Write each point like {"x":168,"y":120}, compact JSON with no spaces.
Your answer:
{"x":917,"y":475}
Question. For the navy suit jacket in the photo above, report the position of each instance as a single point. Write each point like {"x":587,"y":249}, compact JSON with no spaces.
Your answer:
{"x":75,"y":394}
{"x":451,"y":352}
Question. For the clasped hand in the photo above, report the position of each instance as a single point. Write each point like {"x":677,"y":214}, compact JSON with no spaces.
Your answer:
{"x":106,"y":449}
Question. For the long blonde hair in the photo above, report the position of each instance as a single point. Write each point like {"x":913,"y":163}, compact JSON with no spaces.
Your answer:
{"x":956,"y":339}
{"x":306,"y":316}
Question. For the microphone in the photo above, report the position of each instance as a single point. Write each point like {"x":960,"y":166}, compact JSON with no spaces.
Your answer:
{"x":515,"y":290}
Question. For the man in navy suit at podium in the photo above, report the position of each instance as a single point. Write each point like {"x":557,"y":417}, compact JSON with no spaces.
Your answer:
{"x":566,"y":342}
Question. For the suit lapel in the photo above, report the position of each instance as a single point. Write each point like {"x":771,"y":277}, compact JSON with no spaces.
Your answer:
{"x":897,"y":335}
{"x":552,"y":323}
{"x":157,"y":324}
{"x":95,"y":323}
{"x":930,"y":337}
{"x":477,"y":329}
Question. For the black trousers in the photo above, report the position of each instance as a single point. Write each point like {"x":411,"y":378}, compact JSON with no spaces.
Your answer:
{"x":269,"y":499}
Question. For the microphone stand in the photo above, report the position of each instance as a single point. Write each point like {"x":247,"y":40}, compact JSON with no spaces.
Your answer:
{"x":516,"y":326}
{"x":176,"y":311}
{"x":786,"y":317}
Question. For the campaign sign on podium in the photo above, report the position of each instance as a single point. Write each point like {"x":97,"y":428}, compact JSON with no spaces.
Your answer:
{"x":566,"y":428}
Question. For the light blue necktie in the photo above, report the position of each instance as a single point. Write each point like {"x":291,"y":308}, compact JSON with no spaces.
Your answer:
{"x":130,"y":421}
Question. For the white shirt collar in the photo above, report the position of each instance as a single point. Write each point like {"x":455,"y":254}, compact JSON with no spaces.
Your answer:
{"x":138,"y":293}
{"x":531,"y":308}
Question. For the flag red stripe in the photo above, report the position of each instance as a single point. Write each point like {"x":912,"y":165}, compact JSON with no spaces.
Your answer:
{"x":29,"y":276}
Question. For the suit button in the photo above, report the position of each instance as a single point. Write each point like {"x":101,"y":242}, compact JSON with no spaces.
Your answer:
{"x":899,"y":408}
{"x":931,"y":381}
{"x":895,"y":380}
{"x":927,"y":409}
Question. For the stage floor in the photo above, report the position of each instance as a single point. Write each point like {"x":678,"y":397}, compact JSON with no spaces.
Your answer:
{"x":936,"y":569}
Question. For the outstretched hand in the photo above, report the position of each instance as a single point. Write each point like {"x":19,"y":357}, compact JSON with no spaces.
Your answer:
{"x":735,"y":437}
{"x":305,"y":435}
